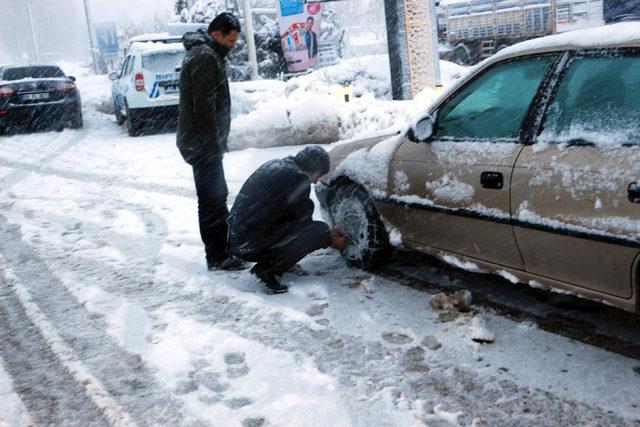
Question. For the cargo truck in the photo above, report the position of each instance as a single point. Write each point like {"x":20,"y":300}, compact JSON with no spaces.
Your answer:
{"x":476,"y":29}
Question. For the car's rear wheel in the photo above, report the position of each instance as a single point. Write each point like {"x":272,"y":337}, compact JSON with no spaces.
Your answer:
{"x":134,"y":126}
{"x":77,"y":122}
{"x":119,"y":117}
{"x":353,"y":210}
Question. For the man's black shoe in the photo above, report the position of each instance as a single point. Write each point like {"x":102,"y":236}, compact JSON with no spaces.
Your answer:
{"x":269,"y":281}
{"x":227,"y":264}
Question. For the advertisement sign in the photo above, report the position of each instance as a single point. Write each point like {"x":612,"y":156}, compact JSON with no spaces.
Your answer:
{"x":107,"y":37}
{"x":299,"y":24}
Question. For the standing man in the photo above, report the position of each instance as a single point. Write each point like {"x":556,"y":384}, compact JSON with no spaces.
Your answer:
{"x":270,"y":222}
{"x":203,"y":128}
{"x":311,"y":38}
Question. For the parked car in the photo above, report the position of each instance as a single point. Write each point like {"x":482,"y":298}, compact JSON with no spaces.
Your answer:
{"x":146,"y":91}
{"x":38,"y":97}
{"x":528,"y":167}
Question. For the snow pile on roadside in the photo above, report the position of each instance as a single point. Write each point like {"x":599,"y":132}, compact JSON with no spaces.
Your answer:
{"x":95,"y":90}
{"x":303,"y":110}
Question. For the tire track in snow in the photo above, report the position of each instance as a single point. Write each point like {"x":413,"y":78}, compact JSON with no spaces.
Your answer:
{"x":93,"y":388}
{"x":74,"y":335}
{"x":16,"y":176}
{"x":589,"y":322}
{"x":95,"y":178}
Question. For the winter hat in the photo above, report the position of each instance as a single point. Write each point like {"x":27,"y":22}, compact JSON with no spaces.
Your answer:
{"x":314,"y":159}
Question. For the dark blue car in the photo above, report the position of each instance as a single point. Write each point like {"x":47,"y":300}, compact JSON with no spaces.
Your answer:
{"x":34,"y":97}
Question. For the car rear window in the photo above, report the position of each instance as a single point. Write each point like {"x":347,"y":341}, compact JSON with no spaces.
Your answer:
{"x":162,"y":62}
{"x":35,"y":72}
{"x":598,"y":103}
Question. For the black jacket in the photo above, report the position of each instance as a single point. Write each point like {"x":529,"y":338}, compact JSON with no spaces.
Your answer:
{"x":272,"y":203}
{"x":205,"y":103}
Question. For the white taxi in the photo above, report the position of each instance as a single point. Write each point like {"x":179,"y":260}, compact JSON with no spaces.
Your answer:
{"x":146,"y":90}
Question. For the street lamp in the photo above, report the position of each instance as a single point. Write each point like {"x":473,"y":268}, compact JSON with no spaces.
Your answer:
{"x":87,"y":15}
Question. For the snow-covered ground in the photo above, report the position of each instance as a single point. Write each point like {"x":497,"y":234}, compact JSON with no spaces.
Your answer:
{"x":109,"y":315}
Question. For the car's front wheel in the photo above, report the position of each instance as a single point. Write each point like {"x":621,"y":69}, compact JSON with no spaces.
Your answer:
{"x":367,"y":240}
{"x":119,"y":117}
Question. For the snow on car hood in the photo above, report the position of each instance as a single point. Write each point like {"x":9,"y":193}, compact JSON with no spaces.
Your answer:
{"x":369,"y":165}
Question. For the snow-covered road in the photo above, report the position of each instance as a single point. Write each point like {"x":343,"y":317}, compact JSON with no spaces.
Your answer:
{"x":109,"y":316}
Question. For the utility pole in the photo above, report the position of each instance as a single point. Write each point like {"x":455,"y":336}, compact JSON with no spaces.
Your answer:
{"x":87,"y":14}
{"x":33,"y":32}
{"x":412,"y":38}
{"x":251,"y":41}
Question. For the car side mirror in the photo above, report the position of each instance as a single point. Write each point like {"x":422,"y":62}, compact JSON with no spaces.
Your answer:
{"x":113,"y":75}
{"x":422,"y":130}
{"x":73,"y":79}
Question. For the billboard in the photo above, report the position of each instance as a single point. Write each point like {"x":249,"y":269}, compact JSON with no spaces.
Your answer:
{"x":107,"y":37}
{"x":299,"y":25}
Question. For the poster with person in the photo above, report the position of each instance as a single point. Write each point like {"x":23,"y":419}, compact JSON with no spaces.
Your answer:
{"x":299,"y":24}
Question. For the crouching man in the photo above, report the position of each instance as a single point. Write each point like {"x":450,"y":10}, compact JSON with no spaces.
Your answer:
{"x":270,"y":222}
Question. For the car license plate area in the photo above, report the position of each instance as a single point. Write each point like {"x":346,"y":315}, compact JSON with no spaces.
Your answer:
{"x":36,"y":96}
{"x":170,"y":86}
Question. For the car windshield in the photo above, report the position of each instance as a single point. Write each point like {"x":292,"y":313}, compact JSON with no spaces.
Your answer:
{"x":162,"y":62}
{"x":35,"y":72}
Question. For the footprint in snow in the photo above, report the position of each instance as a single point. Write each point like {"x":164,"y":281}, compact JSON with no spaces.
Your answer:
{"x":238,"y":402}
{"x":236,"y":365}
{"x":254,"y":422}
{"x":317,"y":309}
{"x":397,"y":338}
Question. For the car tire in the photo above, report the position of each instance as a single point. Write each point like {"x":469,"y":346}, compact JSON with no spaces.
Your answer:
{"x":353,"y":210}
{"x":77,"y":122}
{"x":134,"y":127}
{"x":119,"y":117}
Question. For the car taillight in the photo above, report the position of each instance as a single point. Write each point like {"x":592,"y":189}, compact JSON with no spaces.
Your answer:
{"x":7,"y":91}
{"x":65,"y":87}
{"x":139,"y":80}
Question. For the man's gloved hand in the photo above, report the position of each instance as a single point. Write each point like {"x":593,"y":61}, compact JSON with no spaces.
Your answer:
{"x":338,"y":239}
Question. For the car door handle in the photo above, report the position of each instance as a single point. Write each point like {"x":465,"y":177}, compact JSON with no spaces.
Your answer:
{"x":634,"y":192}
{"x":492,"y":180}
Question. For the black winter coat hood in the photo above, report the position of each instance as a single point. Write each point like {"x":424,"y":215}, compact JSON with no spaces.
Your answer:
{"x":205,"y":102}
{"x":192,"y":39}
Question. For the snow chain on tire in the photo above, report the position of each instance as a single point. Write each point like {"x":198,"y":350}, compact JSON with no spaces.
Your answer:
{"x":368,"y":242}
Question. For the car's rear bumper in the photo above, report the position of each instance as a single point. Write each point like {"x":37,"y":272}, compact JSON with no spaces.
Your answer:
{"x":37,"y":115}
{"x":159,"y":115}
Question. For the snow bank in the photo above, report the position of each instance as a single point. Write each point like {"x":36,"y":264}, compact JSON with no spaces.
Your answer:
{"x":95,"y":90}
{"x":303,"y":110}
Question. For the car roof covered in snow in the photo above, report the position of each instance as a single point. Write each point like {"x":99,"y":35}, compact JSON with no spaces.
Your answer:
{"x":43,"y":64}
{"x":624,"y":34}
{"x":151,"y":47}
{"x":156,"y":37}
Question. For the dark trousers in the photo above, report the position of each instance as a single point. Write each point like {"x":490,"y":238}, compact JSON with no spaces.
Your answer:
{"x":295,"y":245}
{"x":211,"y":188}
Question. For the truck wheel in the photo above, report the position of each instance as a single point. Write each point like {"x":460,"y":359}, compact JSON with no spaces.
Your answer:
{"x":134,"y":127}
{"x":367,"y":240}
{"x":461,"y":55}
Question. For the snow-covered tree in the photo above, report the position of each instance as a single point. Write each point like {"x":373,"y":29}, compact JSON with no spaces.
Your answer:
{"x":269,"y":53}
